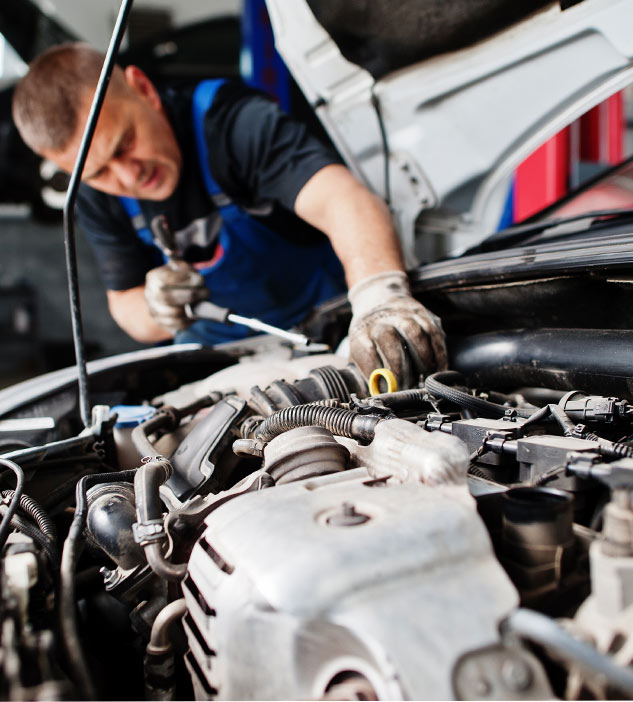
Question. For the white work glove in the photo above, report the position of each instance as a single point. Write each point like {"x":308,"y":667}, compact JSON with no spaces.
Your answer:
{"x":168,"y":289}
{"x":390,"y":329}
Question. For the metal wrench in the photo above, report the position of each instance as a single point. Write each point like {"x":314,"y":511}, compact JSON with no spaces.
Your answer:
{"x":164,"y":239}
{"x":215,"y":313}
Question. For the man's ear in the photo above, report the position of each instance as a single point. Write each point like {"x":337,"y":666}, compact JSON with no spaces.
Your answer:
{"x":142,"y":85}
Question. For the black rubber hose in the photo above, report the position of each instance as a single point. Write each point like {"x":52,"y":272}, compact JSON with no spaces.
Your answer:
{"x":77,"y":665}
{"x":5,"y":525}
{"x":149,"y":477}
{"x":596,"y":361}
{"x":438,"y":384}
{"x":339,"y":421}
{"x":168,"y":418}
{"x":165,"y":418}
{"x":34,"y":510}
{"x":403,"y":399}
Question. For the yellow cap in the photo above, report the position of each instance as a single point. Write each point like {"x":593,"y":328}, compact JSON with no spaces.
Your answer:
{"x":386,"y":374}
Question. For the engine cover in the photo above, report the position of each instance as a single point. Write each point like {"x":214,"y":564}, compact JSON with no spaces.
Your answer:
{"x":294,"y":588}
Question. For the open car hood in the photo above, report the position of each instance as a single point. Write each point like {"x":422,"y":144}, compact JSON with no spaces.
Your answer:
{"x":457,"y":122}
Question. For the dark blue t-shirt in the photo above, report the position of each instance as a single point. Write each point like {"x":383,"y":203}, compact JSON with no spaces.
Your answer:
{"x":260,"y":157}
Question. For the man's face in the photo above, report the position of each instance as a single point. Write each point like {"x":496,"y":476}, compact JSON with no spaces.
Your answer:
{"x":134,"y":152}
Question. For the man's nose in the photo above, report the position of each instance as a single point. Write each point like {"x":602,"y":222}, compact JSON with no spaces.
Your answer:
{"x":127,"y":171}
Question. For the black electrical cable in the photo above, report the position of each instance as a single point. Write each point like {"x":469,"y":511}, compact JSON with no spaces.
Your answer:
{"x":439,"y":384}
{"x":69,"y":207}
{"x":47,"y":546}
{"x":37,"y":454}
{"x":610,"y":449}
{"x":539,"y":416}
{"x":34,"y":510}
{"x":564,"y":422}
{"x":5,"y":525}
{"x":548,"y":475}
{"x":70,"y":555}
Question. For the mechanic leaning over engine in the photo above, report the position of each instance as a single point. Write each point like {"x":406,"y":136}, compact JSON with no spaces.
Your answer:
{"x":248,"y":194}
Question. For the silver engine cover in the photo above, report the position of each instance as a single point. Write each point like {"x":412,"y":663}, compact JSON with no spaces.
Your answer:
{"x":287,"y":593}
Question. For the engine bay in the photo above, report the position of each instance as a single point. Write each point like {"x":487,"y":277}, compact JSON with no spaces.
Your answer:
{"x":281,"y":530}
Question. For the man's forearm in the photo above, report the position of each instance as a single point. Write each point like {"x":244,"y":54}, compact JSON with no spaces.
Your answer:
{"x":356,"y":221}
{"x":129,"y":310}
{"x":389,"y":327}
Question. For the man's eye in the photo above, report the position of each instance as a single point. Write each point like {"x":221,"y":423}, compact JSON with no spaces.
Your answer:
{"x":125,"y":145}
{"x":98,"y":174}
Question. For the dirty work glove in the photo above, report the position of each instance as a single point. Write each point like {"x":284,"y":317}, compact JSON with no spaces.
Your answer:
{"x":390,"y":329}
{"x":168,"y":289}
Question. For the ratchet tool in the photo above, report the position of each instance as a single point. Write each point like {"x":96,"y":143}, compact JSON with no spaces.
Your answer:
{"x":164,"y":239}
{"x":215,"y":313}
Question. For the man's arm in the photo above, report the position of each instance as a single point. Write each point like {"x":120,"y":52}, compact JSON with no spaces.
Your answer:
{"x":356,"y":221}
{"x":130,"y":311}
{"x":156,"y":310}
{"x":389,"y":327}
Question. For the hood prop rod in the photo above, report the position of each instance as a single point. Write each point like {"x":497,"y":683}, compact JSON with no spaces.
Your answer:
{"x":69,"y":207}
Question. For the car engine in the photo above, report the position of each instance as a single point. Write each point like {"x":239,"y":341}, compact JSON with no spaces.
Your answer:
{"x":281,"y":529}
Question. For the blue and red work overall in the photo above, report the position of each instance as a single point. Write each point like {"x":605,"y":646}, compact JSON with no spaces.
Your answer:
{"x":255,"y":272}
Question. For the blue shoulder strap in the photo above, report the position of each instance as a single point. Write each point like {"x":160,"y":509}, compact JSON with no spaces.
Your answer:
{"x":203,"y":98}
{"x":133,"y":210}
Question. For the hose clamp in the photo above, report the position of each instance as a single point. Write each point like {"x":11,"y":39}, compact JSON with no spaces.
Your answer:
{"x":148,"y":532}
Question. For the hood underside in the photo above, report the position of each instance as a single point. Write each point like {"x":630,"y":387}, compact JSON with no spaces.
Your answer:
{"x":434,"y":104}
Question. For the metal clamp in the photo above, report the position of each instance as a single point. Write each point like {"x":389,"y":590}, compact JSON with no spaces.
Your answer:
{"x":147,"y":532}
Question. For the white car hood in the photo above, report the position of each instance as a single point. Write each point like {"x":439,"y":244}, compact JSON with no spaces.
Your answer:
{"x":459,"y":123}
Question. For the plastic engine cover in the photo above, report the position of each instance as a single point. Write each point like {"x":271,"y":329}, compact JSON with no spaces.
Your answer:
{"x":290,"y":587}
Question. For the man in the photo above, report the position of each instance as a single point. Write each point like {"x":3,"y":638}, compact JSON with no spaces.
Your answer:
{"x":248,"y":193}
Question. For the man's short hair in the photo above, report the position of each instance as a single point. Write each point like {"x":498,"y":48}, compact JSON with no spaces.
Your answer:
{"x":46,"y":99}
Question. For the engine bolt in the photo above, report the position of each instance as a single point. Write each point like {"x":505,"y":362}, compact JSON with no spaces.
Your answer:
{"x":347,"y":516}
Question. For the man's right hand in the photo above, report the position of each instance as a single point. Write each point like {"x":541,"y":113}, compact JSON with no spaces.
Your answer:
{"x":168,"y":289}
{"x":390,"y":329}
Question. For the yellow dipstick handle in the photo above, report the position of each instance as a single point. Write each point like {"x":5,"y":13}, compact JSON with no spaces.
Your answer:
{"x":385,"y":374}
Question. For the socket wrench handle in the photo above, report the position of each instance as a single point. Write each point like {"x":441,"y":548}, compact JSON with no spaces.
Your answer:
{"x":208,"y":310}
{"x":215,"y":313}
